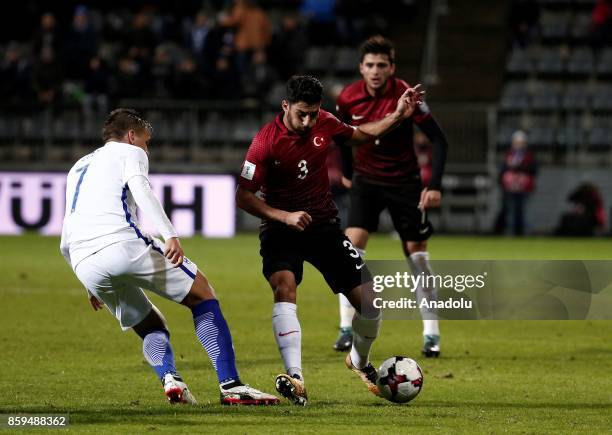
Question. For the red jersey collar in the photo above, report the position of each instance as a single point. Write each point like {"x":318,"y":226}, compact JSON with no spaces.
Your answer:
{"x":280,"y":124}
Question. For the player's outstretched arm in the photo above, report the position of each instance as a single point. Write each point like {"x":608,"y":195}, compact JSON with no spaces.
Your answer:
{"x":152,"y":208}
{"x":246,"y":200}
{"x":404,"y":109}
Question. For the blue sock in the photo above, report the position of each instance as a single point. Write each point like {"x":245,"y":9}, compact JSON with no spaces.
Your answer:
{"x":158,"y":352}
{"x":212,"y":331}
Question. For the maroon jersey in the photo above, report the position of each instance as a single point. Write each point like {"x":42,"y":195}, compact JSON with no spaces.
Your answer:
{"x":291,"y":170}
{"x":390,"y":159}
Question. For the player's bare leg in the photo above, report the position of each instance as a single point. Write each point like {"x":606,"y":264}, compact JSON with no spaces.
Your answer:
{"x":155,"y":320}
{"x":418,"y":257}
{"x":359,"y":238}
{"x":366,"y":326}
{"x":200,"y":291}
{"x":157,"y":351}
{"x":214,"y":335}
{"x":288,"y":335}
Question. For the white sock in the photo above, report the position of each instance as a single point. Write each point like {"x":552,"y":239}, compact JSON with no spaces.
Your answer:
{"x":288,"y":334}
{"x":365,"y":332}
{"x":419,"y":263}
{"x":347,"y":311}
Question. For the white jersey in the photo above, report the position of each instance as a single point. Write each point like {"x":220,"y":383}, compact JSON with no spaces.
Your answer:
{"x":100,"y":209}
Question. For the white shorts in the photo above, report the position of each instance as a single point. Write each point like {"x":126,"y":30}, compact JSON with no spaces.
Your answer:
{"x":117,"y":274}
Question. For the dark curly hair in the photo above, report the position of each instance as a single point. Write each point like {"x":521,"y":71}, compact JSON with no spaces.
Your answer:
{"x":122,"y":120}
{"x":304,"y":88}
{"x":377,"y":45}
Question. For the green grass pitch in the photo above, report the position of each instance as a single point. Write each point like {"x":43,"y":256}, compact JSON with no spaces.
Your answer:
{"x":59,"y":356}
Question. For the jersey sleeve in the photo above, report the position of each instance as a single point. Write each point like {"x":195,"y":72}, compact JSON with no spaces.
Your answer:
{"x":342,"y":108}
{"x":64,"y":246}
{"x":254,"y":169}
{"x":150,"y":205}
{"x":338,"y":130}
{"x":136,"y":163}
{"x":64,"y":240}
{"x":421,"y":113}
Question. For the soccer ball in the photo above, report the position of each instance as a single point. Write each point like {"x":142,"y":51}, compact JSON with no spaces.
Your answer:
{"x":400,"y":379}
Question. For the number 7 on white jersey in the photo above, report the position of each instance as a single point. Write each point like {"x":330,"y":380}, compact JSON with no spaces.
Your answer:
{"x":82,"y":170}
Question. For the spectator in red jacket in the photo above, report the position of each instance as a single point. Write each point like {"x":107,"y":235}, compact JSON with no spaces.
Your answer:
{"x":601,"y":23}
{"x":517,"y":179}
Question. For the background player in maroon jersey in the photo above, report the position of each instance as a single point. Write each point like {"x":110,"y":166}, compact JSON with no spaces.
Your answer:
{"x":287,"y":162}
{"x":387,"y":176}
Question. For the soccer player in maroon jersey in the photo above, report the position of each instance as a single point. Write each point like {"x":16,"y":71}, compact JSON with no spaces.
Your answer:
{"x":287,"y":163}
{"x":386,"y":175}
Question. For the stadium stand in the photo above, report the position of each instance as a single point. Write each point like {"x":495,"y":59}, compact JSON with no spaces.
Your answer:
{"x":193,"y":69}
{"x":557,"y":85}
{"x":544,"y":68}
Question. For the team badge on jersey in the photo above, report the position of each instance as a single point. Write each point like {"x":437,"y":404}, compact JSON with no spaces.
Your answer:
{"x":318,"y":141}
{"x":248,"y":170}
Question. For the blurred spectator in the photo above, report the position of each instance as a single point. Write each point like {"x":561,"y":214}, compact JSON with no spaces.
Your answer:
{"x":225,"y":80}
{"x":601,"y":23}
{"x":15,"y":75}
{"x":321,"y":18}
{"x":517,"y":179}
{"x":47,"y":35}
{"x":219,"y":43}
{"x":162,"y":70}
{"x":97,"y":85}
{"x":196,"y":34}
{"x":116,"y":27}
{"x":587,"y":217}
{"x":253,"y":30}
{"x":187,"y":81}
{"x":288,"y":46}
{"x":424,"y":153}
{"x":141,"y":37}
{"x":259,"y":76}
{"x":126,"y":80}
{"x":47,"y":77}
{"x":81,"y":43}
{"x":351,"y":21}
{"x":524,"y":17}
{"x":358,"y":19}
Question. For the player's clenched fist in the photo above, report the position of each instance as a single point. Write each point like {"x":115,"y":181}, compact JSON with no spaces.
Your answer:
{"x":298,"y":220}
{"x":174,"y":251}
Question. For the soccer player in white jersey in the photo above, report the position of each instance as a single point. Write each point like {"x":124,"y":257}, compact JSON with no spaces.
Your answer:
{"x":115,"y":260}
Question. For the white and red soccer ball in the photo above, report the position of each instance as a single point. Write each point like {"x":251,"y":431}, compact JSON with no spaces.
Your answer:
{"x":400,"y":379}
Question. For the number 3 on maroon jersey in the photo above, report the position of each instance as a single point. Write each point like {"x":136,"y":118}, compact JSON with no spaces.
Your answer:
{"x":303,"y":169}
